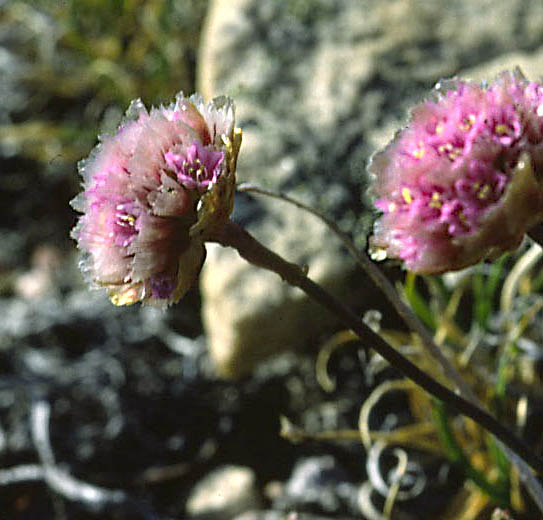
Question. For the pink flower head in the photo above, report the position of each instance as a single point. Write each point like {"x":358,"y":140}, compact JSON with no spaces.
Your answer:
{"x":153,"y":193}
{"x":461,"y":182}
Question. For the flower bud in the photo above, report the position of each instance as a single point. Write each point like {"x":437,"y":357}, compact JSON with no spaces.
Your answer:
{"x":153,"y":193}
{"x":462,"y":181}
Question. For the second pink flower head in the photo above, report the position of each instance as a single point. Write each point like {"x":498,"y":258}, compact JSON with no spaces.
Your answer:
{"x":461,"y":182}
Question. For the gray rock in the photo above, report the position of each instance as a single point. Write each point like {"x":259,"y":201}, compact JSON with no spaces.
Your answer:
{"x":224,"y":493}
{"x":318,"y":483}
{"x":531,"y":64}
{"x":319,"y":85}
{"x":278,"y":515}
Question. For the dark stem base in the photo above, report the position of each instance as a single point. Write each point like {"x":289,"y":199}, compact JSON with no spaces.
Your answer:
{"x":536,"y":234}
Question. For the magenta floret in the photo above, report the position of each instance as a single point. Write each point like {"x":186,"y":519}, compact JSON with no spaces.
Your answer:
{"x":461,"y":182}
{"x":196,"y":167}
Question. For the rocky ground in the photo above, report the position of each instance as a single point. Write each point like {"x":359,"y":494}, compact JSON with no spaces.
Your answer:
{"x":124,"y":413}
{"x":129,"y":401}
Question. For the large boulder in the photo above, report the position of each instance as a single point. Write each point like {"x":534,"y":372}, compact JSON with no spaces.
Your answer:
{"x":319,"y":85}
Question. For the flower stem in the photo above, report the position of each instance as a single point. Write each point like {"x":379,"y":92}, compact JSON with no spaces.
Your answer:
{"x":411,"y":320}
{"x":257,"y":254}
{"x":382,"y":283}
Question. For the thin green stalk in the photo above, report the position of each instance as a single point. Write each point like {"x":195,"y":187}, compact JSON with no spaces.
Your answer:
{"x":484,"y":292}
{"x":502,"y":379}
{"x":498,"y":491}
{"x":417,"y":302}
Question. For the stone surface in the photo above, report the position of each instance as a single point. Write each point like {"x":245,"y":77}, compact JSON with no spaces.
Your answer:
{"x":277,"y":515}
{"x":319,"y":86}
{"x":224,"y":493}
{"x":319,"y":483}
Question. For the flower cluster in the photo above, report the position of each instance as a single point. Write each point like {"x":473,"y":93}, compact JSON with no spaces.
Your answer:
{"x":153,"y":193}
{"x":461,"y":182}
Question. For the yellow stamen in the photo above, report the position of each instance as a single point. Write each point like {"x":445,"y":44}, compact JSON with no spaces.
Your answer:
{"x":378,"y":254}
{"x":419,"y":152}
{"x":125,"y":297}
{"x":439,"y":128}
{"x":502,"y":129}
{"x":435,"y":202}
{"x":406,"y":194}
{"x":484,"y":192}
{"x":467,"y":123}
{"x":127,"y":219}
